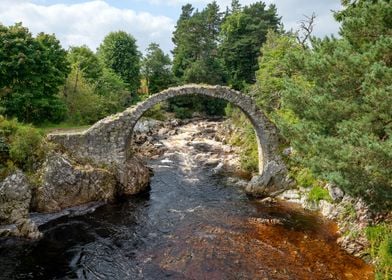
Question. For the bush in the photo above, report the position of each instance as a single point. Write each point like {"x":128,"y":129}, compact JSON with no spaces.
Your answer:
{"x":21,"y":146}
{"x":182,"y":112}
{"x":156,"y":112}
{"x":193,"y":103}
{"x":25,"y":147}
{"x":318,"y":193}
{"x":380,"y":238}
{"x":305,"y":178}
{"x":84,"y":106}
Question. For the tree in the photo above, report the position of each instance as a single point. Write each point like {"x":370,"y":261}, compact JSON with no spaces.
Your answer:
{"x":235,"y":6}
{"x":32,"y":70}
{"x":196,"y":46}
{"x":242,"y":34}
{"x":86,"y":61}
{"x":156,"y":69}
{"x":196,"y":58}
{"x":334,"y":101}
{"x":119,"y":52}
{"x":182,"y":52}
{"x":83,"y":105}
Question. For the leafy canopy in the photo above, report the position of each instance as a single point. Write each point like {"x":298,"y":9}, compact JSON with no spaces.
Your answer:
{"x":119,"y":52}
{"x":31,"y":71}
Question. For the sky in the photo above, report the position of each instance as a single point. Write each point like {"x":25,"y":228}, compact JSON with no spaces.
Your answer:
{"x":86,"y":22}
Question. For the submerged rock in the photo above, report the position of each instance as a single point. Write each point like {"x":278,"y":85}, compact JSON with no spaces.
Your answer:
{"x":28,"y":229}
{"x":15,"y":197}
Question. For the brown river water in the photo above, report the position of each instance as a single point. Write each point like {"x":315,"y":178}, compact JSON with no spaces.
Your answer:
{"x":189,"y":225}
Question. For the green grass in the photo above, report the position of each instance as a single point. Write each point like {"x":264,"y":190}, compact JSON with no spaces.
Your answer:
{"x":318,"y":193}
{"x":380,"y":238}
{"x":61,"y":127}
{"x":305,"y":178}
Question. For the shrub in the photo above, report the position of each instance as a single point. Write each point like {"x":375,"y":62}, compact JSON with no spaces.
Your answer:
{"x":25,"y":147}
{"x":305,"y":178}
{"x":156,"y":112}
{"x":182,"y":112}
{"x":318,"y":193}
{"x":380,"y":238}
{"x":20,"y":146}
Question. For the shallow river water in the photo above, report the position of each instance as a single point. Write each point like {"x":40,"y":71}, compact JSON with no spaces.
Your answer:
{"x":188,"y":226}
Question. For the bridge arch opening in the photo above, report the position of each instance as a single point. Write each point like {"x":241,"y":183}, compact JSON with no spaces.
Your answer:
{"x":108,"y":141}
{"x":258,"y":120}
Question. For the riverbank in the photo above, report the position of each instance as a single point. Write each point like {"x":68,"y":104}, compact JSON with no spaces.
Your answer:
{"x":352,"y":215}
{"x":196,"y":221}
{"x":203,"y":142}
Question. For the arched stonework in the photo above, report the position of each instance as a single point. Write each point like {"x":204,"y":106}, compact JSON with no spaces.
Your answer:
{"x":107,"y":141}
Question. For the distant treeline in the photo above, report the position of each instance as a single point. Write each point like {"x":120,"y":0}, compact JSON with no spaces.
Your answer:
{"x":41,"y":82}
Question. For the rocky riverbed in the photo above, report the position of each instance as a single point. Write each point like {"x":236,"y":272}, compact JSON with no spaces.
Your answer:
{"x":195,"y":222}
{"x":197,"y":150}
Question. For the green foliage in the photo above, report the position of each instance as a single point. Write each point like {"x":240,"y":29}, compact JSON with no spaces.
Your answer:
{"x":274,"y":68}
{"x":156,"y":69}
{"x":182,"y":113}
{"x":245,"y":137}
{"x":31,"y":71}
{"x":119,"y":52}
{"x":86,"y":61}
{"x":187,"y":105}
{"x":195,"y":53}
{"x":242,"y":34}
{"x":157,"y":112}
{"x":318,"y":193}
{"x":114,"y":92}
{"x":84,"y":106}
{"x":363,"y":22}
{"x":380,"y":238}
{"x":21,"y":146}
{"x":333,"y":102}
{"x":92,"y":91}
{"x":25,"y":147}
{"x":305,"y":178}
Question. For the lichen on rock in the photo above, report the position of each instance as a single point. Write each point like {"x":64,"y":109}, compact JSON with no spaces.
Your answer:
{"x":15,"y":197}
{"x":65,"y":183}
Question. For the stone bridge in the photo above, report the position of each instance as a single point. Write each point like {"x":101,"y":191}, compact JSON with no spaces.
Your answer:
{"x":108,"y":141}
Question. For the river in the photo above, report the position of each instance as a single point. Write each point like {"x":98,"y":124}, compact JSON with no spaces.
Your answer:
{"x":189,"y":225}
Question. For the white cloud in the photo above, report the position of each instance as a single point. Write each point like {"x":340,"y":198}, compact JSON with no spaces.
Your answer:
{"x":87,"y":23}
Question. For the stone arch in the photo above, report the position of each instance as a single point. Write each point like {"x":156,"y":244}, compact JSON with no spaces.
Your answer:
{"x":108,"y":140}
{"x":245,"y":103}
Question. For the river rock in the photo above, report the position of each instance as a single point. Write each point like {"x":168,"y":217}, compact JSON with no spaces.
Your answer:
{"x":288,"y":151}
{"x":146,"y":125}
{"x":219,"y":168}
{"x":15,"y":197}
{"x":354,"y":246}
{"x":28,"y":229}
{"x":335,"y":192}
{"x":272,"y":182}
{"x":66,"y":183}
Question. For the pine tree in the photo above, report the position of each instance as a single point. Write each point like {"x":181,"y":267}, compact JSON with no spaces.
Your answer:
{"x":243,"y":33}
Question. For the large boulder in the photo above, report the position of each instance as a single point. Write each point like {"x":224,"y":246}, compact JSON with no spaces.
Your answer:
{"x":15,"y":197}
{"x":66,"y":183}
{"x":272,"y":182}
